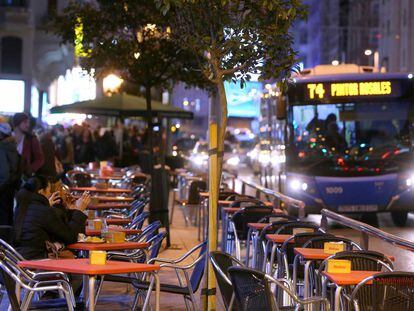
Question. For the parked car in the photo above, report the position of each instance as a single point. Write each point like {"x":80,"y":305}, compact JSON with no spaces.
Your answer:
{"x":198,"y":160}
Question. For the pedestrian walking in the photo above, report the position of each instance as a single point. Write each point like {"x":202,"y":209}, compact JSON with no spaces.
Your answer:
{"x":9,"y":172}
{"x":28,"y":145}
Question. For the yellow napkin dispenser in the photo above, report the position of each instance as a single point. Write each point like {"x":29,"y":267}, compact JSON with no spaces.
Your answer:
{"x":333,"y":247}
{"x":97,"y":257}
{"x":339,"y":266}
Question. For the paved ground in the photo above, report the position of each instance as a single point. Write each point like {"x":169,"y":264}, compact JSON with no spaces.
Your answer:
{"x":119,"y":297}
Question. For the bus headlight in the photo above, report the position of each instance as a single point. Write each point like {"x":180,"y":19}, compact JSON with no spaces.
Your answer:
{"x":233,"y":161}
{"x":296,"y":185}
{"x":409,"y":182}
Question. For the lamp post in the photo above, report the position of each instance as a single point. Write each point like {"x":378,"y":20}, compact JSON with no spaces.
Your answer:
{"x":111,"y":84}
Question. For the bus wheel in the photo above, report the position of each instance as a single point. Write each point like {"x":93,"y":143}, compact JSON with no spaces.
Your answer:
{"x":399,"y":218}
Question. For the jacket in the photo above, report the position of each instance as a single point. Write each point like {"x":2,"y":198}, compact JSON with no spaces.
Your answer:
{"x":32,"y":155}
{"x":10,"y":170}
{"x":40,"y":223}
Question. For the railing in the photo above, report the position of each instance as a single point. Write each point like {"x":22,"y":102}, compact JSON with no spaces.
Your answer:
{"x":366,"y":230}
{"x":271,"y":195}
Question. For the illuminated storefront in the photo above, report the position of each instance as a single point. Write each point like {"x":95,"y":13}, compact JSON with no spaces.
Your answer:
{"x":12,"y":96}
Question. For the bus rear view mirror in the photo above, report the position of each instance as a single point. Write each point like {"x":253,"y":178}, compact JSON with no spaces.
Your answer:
{"x":281,"y":108}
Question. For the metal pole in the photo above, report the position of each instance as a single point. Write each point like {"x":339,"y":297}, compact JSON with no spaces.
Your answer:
{"x":212,"y":213}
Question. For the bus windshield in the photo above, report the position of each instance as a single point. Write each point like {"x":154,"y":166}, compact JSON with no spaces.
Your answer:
{"x":362,"y":137}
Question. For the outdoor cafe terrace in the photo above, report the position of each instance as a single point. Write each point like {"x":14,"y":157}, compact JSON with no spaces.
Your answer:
{"x":127,"y":262}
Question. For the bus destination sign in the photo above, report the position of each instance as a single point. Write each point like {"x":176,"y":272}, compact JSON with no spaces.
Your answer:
{"x":322,"y":91}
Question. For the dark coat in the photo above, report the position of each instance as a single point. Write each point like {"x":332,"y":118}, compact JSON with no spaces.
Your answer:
{"x":41,"y":223}
{"x":32,"y":155}
{"x":10,"y":170}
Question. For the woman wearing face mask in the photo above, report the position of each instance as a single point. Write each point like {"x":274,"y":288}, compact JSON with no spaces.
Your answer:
{"x":37,"y":222}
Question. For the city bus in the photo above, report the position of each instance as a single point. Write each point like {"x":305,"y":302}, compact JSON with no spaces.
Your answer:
{"x":349,"y":141}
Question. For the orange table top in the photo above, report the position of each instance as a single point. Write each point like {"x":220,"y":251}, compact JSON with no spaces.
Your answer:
{"x":204,"y":194}
{"x":232,"y":210}
{"x":318,"y":254}
{"x":224,"y":203}
{"x":80,"y":246}
{"x":227,"y":203}
{"x":99,"y":232}
{"x":353,"y":278}
{"x":278,"y":238}
{"x":109,"y":199}
{"x":97,"y":177}
{"x":311,"y":253}
{"x":105,"y":206}
{"x":107,"y":190}
{"x":257,"y":225}
{"x":82,"y":266}
{"x":118,"y":221}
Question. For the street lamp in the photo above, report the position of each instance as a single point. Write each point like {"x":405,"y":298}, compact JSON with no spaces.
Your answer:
{"x":335,"y":62}
{"x":368,"y":52}
{"x":111,"y":84}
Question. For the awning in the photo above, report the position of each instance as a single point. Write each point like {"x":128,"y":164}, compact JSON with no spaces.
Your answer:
{"x":123,"y":105}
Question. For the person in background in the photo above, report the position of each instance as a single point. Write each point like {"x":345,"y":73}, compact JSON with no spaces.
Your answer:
{"x":28,"y":145}
{"x":86,"y":151}
{"x":64,"y":147}
{"x":37,"y":222}
{"x":105,"y":146}
{"x":77,"y":132}
{"x":9,"y":172}
{"x":48,"y":169}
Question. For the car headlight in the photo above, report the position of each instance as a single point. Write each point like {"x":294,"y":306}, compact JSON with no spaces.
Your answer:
{"x":264,"y":159}
{"x":297,"y":185}
{"x":199,"y":159}
{"x":252,"y":154}
{"x":278,"y":159}
{"x":233,"y":161}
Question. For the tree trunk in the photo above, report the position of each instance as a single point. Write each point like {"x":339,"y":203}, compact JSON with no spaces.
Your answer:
{"x":150,"y":143}
{"x":222,"y":128}
{"x":214,"y":188}
{"x":150,"y":130}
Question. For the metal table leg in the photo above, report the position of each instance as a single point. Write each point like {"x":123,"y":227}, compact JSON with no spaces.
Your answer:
{"x":306,"y":283}
{"x":249,"y":235}
{"x":154,"y":279}
{"x":91,"y":290}
{"x":338,"y":298}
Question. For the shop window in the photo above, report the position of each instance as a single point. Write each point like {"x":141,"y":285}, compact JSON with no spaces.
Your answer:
{"x":15,"y":3}
{"x":11,"y":55}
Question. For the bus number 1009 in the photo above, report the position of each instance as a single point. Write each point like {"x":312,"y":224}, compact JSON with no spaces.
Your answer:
{"x":334,"y":190}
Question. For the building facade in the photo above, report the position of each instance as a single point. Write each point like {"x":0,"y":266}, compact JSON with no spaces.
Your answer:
{"x":397,"y":35}
{"x":30,"y":58}
{"x":338,"y":31}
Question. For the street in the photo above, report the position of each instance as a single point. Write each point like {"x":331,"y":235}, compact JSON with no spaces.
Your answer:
{"x":404,"y":259}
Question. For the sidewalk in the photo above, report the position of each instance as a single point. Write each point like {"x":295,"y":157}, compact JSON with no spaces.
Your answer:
{"x":117,"y":296}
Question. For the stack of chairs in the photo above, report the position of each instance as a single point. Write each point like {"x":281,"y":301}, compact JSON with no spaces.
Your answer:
{"x":277,"y":279}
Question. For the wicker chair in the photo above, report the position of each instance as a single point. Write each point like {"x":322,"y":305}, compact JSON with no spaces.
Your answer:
{"x":238,"y":224}
{"x":360,"y":260}
{"x":253,"y":292}
{"x":221,"y":262}
{"x":389,"y":291}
